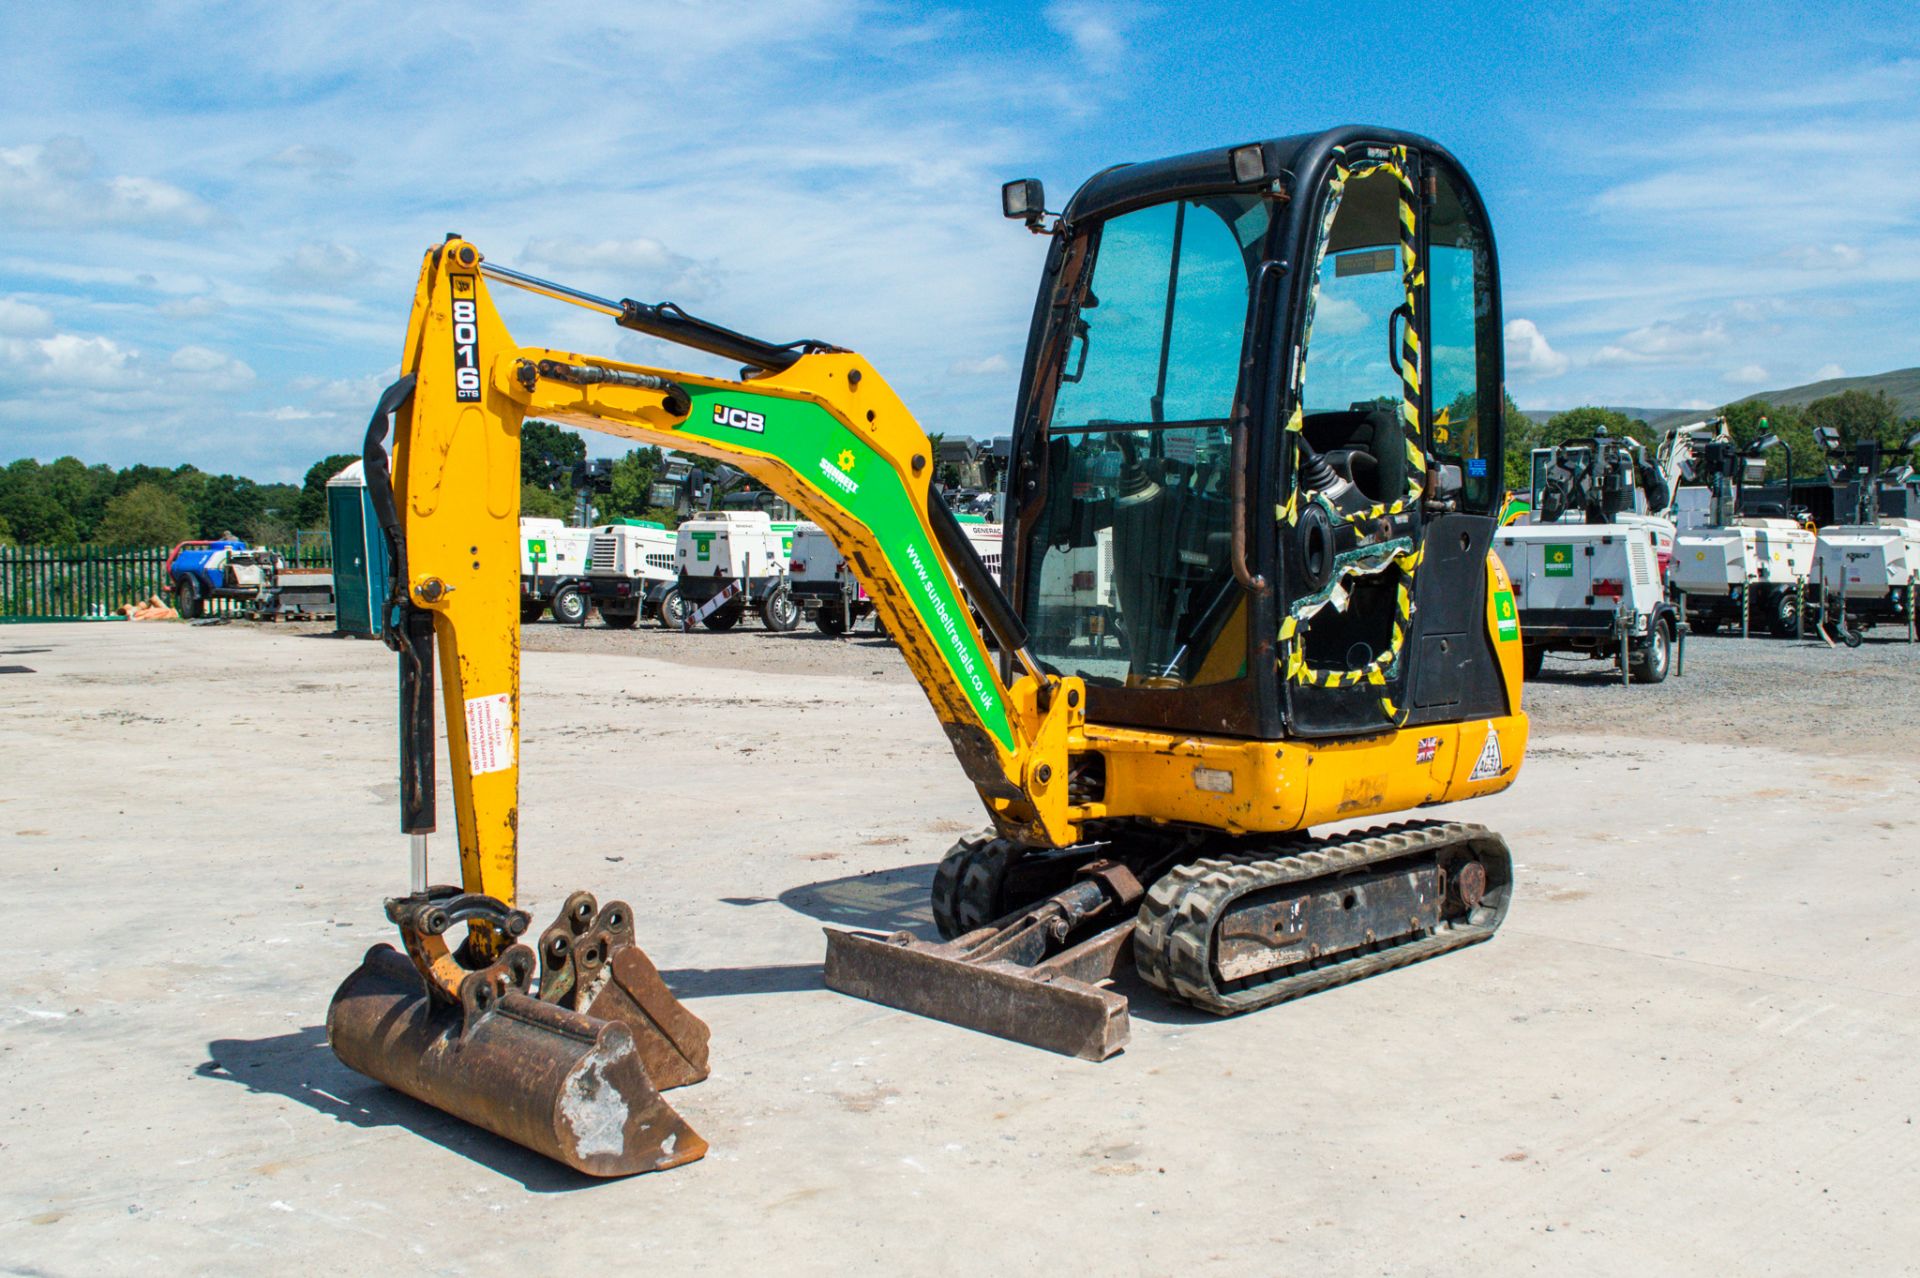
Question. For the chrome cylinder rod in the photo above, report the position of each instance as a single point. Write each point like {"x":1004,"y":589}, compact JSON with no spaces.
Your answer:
{"x":547,"y":288}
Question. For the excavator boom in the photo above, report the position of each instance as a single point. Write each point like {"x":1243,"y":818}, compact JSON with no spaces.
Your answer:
{"x":571,"y":1062}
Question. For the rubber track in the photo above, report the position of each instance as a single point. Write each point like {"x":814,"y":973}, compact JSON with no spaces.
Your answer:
{"x":1173,"y":941}
{"x":966,"y":886}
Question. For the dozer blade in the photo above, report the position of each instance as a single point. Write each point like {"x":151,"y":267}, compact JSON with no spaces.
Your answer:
{"x":570,"y":1086}
{"x":1024,"y":1004}
{"x":1002,"y":979}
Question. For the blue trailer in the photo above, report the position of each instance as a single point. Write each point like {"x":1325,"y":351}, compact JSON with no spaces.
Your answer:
{"x":227,"y":568}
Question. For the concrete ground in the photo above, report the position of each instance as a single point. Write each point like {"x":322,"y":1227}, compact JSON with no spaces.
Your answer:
{"x":1693,"y":1049}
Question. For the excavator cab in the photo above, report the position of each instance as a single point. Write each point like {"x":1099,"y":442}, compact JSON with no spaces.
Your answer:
{"x":1246,"y":591}
{"x":1243,"y":500}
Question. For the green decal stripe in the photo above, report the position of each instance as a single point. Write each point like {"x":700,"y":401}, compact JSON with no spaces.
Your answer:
{"x":808,"y":439}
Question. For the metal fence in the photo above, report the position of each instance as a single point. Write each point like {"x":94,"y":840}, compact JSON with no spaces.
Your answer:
{"x":90,"y":583}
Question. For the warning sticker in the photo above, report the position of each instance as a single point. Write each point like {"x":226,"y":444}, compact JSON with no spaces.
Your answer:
{"x":490,"y":733}
{"x":1489,"y":764}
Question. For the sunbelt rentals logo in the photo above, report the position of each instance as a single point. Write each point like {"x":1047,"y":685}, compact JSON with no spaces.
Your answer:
{"x":1559,"y":561}
{"x":1506,"y":620}
{"x":838,"y":472}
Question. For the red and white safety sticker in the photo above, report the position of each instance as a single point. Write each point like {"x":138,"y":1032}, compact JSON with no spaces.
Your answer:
{"x":490,"y":733}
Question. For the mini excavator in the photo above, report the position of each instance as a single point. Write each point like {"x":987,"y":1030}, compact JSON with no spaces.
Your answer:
{"x":1247,"y":591}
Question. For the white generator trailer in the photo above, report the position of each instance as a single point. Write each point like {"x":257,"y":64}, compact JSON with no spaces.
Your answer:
{"x":1867,"y":569}
{"x":553,"y":571}
{"x":1866,"y":573}
{"x":824,"y":586}
{"x":1734,"y":569}
{"x":827,"y":591}
{"x":1750,"y":575}
{"x":1604,"y":479}
{"x":740,"y":559}
{"x":1591,"y":589}
{"x":631,"y":573}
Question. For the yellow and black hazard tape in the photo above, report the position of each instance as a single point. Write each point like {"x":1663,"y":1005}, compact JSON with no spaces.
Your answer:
{"x":1377,"y":672}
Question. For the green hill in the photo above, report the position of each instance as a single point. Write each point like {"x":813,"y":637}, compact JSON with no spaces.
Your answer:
{"x":1902,"y":385}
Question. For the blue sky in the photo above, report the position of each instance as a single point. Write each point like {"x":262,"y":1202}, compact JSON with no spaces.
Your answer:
{"x":211,"y":216}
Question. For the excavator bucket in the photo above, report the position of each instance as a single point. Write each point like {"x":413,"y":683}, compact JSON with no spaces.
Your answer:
{"x":571,"y":1068}
{"x":565,"y":1084}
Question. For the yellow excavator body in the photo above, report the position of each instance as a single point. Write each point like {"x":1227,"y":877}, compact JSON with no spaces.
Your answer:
{"x":1151,"y":770}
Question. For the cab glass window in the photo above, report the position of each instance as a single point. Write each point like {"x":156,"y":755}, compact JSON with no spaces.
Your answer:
{"x":1160,"y":323}
{"x":1461,"y":336}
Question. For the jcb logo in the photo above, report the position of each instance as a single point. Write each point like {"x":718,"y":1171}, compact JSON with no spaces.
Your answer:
{"x":739,"y":419}
{"x":466,"y":351}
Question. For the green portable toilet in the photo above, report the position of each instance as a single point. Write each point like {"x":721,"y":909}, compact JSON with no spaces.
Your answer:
{"x":359,"y":554}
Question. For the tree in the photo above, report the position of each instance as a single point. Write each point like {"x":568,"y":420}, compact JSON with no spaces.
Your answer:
{"x":1859,"y":416}
{"x":1751,"y":419}
{"x":548,"y":455}
{"x":537,"y":503}
{"x":28,"y":505}
{"x":145,"y":515}
{"x":1582,"y":423}
{"x":632,"y":493}
{"x":311,"y":509}
{"x":227,"y":504}
{"x":81,"y":490}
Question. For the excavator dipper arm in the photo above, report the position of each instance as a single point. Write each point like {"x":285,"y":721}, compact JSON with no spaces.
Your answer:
{"x":571,"y":1063}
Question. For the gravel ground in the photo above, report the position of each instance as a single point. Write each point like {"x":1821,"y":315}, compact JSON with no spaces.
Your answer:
{"x":1800,"y":694}
{"x":1682,"y":1055}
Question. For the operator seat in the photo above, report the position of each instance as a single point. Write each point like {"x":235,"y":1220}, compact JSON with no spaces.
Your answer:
{"x":1366,"y":444}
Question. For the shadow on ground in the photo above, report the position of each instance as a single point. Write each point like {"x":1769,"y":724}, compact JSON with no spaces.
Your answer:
{"x":301,"y":1067}
{"x":896,"y":900}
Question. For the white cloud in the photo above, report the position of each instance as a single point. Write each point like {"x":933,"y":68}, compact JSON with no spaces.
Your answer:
{"x":1528,"y":354}
{"x":323,"y":161}
{"x":1827,"y":372}
{"x":1340,"y":315}
{"x":190,"y":307}
{"x":54,"y":185}
{"x":1746,"y":375}
{"x":23,"y":319}
{"x":322,"y":264}
{"x":646,"y":263}
{"x":211,"y":367}
{"x":978,"y":367}
{"x":288,"y":413}
{"x":1665,"y":342}
{"x":1097,"y":31}
{"x":69,"y":361}
{"x":1821,"y":257}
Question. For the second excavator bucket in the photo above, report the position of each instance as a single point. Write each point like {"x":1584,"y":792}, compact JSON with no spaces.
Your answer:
{"x":572,"y":1069}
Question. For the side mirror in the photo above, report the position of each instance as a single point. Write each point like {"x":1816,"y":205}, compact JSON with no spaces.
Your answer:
{"x":1024,"y":200}
{"x":1827,"y":437}
{"x":1913,"y":442}
{"x":1762,"y":444}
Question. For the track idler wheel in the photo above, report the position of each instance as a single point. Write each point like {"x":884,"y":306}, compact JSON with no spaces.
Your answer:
{"x":572,"y":1069}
